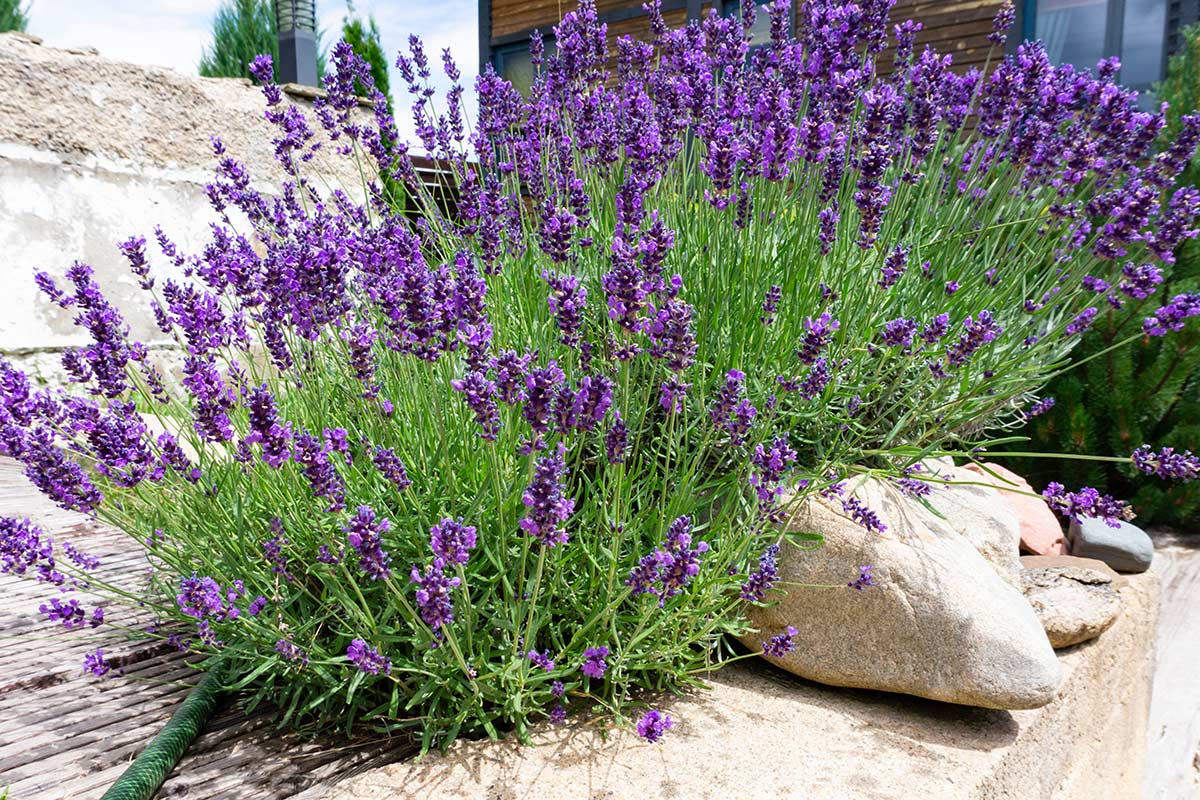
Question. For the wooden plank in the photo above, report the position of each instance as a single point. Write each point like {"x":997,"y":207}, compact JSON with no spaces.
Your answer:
{"x":510,"y":17}
{"x":1173,"y":746}
{"x":64,"y":735}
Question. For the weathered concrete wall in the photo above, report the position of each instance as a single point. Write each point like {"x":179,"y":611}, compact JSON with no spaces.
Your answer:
{"x":93,"y":151}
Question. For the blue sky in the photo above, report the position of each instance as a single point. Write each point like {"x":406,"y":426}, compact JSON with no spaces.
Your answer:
{"x":172,"y":33}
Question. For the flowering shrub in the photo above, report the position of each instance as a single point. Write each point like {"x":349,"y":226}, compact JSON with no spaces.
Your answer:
{"x":1151,"y":389}
{"x":475,"y":470}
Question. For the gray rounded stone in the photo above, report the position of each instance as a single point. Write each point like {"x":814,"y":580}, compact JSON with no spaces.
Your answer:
{"x":940,"y":623}
{"x":1074,"y":604}
{"x":1125,"y":548}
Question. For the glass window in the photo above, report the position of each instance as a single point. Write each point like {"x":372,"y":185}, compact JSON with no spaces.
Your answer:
{"x":1142,"y":42}
{"x":1073,"y":30}
{"x":760,"y":31}
{"x":514,"y":64}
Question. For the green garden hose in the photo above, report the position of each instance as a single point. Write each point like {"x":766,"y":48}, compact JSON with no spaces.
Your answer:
{"x":148,"y":771}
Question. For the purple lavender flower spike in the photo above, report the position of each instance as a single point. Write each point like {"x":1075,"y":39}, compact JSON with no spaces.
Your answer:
{"x":763,"y":578}
{"x":1082,"y":322}
{"x":391,"y":468}
{"x":24,"y":550}
{"x":1005,"y":17}
{"x":480,"y":395}
{"x":364,"y":533}
{"x":864,"y":516}
{"x":731,"y":411}
{"x":817,"y":335}
{"x":781,"y":644}
{"x":568,"y":300}
{"x":594,"y":665}
{"x":263,"y":68}
{"x":894,"y":266}
{"x":547,"y":508}
{"x":672,"y":393}
{"x":665,"y":572}
{"x":266,"y":428}
{"x":96,"y":663}
{"x":899,"y":332}
{"x":1140,"y":281}
{"x":864,"y":579}
{"x":936,"y":329}
{"x":590,"y":403}
{"x":616,"y":440}
{"x":451,"y":540}
{"x":771,"y":464}
{"x":1166,"y":463}
{"x":434,"y":603}
{"x":290,"y":652}
{"x":69,"y":614}
{"x":312,"y":454}
{"x":367,"y":658}
{"x":672,"y":338}
{"x":541,"y":384}
{"x":770,"y":305}
{"x":1172,"y":316}
{"x":977,"y":332}
{"x":542,"y":660}
{"x":1087,"y":502}
{"x":653,"y":725}
{"x":1041,"y":407}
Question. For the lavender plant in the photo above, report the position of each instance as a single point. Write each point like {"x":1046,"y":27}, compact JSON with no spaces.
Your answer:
{"x":523,"y":456}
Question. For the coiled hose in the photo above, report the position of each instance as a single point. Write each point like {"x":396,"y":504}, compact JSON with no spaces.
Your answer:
{"x":148,"y":771}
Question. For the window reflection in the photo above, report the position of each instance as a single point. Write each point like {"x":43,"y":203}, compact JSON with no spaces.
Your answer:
{"x":1142,"y":44}
{"x":760,"y":31}
{"x":1073,"y":30}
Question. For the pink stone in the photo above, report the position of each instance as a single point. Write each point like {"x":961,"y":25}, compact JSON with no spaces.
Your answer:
{"x":1041,"y":533}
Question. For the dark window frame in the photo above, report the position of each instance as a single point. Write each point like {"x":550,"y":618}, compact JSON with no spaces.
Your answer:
{"x":1114,"y":32}
{"x":520,"y":48}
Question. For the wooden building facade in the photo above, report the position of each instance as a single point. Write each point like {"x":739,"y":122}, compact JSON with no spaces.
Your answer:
{"x":1142,"y":33}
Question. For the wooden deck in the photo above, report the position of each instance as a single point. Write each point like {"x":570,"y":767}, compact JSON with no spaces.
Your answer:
{"x":1173,"y":754}
{"x":65,"y":735}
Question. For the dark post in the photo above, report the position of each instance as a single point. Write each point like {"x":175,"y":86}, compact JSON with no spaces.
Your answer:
{"x":485,"y":33}
{"x":296,"y":21}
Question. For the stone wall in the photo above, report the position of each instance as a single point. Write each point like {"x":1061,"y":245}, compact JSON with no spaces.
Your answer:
{"x":93,"y":151}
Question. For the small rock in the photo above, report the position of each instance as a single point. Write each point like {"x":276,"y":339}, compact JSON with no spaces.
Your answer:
{"x":1125,"y":548}
{"x":1045,"y":562}
{"x":1041,"y":533}
{"x":1074,"y":604}
{"x":940,"y":623}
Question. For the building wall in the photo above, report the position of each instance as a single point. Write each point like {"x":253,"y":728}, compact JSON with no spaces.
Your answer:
{"x":959,"y":27}
{"x":93,"y":151}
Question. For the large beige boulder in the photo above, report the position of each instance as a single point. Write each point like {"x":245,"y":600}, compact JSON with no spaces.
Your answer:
{"x":940,"y":623}
{"x":981,"y":515}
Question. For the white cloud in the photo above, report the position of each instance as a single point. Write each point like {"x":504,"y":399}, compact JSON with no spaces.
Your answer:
{"x":453,"y":24}
{"x":170,"y":34}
